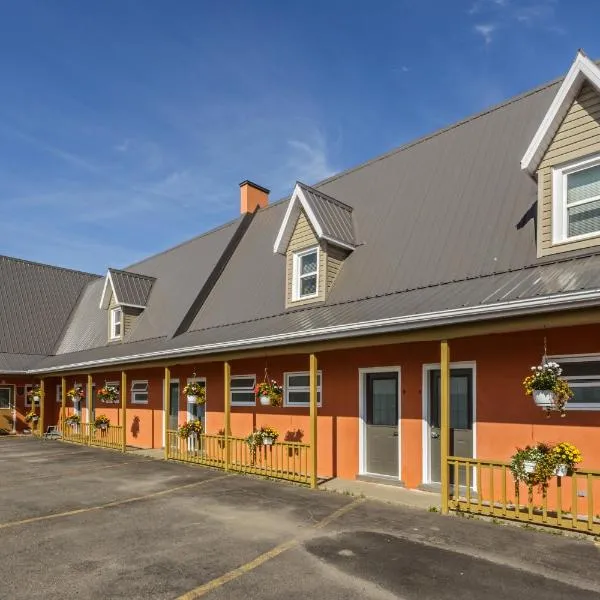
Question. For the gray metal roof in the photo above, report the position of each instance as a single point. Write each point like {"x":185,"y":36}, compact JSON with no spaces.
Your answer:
{"x":180,"y":274}
{"x":418,"y":308}
{"x":35,"y":303}
{"x":131,"y":288}
{"x":446,"y":223}
{"x":334,"y":217}
{"x":18,"y":363}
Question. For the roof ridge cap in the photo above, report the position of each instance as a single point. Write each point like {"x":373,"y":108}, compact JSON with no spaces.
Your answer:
{"x":48,"y":266}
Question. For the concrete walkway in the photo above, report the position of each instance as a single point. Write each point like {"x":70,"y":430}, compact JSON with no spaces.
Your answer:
{"x":385,"y":493}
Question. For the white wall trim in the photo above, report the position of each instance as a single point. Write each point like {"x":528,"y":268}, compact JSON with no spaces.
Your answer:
{"x":103,"y":298}
{"x":426,"y":438}
{"x":362,"y":415}
{"x":581,"y":70}
{"x":166,"y":407}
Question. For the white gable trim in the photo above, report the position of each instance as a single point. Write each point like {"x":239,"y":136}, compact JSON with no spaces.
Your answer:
{"x":297,"y":202}
{"x":582,"y":69}
{"x":104,"y":299}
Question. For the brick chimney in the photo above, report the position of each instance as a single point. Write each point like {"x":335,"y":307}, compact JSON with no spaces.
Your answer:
{"x":252,"y":196}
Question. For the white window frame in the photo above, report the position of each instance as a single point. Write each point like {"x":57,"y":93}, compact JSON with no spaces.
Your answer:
{"x":571,"y":358}
{"x":113,"y":323}
{"x":245,"y":390}
{"x":134,"y":392}
{"x":286,"y":388}
{"x":297,"y":276}
{"x":560,"y":223}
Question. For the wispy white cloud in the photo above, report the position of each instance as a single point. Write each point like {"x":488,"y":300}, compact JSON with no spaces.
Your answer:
{"x":486,"y":31}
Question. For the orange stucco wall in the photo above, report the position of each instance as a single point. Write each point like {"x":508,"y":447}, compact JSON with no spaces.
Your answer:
{"x":504,"y":417}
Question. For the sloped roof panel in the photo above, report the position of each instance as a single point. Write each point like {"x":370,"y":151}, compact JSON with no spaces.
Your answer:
{"x":334,"y":217}
{"x":131,"y":288}
{"x":35,"y":303}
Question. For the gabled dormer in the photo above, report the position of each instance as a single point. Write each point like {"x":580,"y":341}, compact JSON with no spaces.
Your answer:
{"x":316,"y":236}
{"x":124,"y":296}
{"x":564,"y":156}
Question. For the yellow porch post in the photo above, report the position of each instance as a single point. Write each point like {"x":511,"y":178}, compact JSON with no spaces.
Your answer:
{"x":42,"y":401}
{"x":226,"y":400}
{"x":445,"y":422}
{"x":90,"y":407}
{"x":167,"y":408}
{"x":63,"y":402}
{"x":124,"y":410}
{"x":313,"y":420}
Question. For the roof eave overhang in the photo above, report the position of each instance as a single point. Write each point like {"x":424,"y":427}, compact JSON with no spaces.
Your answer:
{"x":582,"y":69}
{"x":513,"y":308}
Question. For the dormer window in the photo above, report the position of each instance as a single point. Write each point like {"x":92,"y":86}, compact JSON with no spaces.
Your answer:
{"x":306,"y":274}
{"x":115,"y":323}
{"x":576,"y":200}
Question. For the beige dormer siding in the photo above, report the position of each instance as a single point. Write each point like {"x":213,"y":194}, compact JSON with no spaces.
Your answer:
{"x":129,"y":317}
{"x":304,"y":237}
{"x":577,"y":137}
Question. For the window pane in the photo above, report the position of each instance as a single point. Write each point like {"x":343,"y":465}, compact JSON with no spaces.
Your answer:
{"x":308,"y":263}
{"x":243,"y":397}
{"x":584,"y":218}
{"x":298,"y":397}
{"x":298,"y":380}
{"x":385,"y":402}
{"x":460,"y":417}
{"x":4,"y":398}
{"x":140,"y":397}
{"x":583,"y":184}
{"x":308,"y":285}
{"x":139,"y":386}
{"x":578,"y":369}
{"x":586,"y":395}
{"x":242,"y":382}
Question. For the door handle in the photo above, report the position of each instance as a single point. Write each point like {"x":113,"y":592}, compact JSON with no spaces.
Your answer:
{"x":435,"y":433}
{"x":395,"y":434}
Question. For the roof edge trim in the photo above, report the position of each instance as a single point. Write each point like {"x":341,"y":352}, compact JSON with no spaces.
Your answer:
{"x":582,"y":69}
{"x":104,"y":298}
{"x":541,"y":304}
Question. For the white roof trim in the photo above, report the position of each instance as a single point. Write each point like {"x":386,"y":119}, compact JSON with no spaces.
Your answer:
{"x":289,"y":221}
{"x":104,"y":297}
{"x":582,"y":69}
{"x":511,"y":308}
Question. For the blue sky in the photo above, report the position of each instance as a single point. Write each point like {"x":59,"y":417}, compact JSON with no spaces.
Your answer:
{"x":126,"y":126}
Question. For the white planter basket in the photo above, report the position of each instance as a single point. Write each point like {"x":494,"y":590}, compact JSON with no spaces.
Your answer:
{"x":103,"y":426}
{"x":36,"y":398}
{"x":267,"y":441}
{"x":265,"y":400}
{"x":561,"y":470}
{"x":192,"y":399}
{"x":544,"y":398}
{"x":35,"y":419}
{"x":529,"y":466}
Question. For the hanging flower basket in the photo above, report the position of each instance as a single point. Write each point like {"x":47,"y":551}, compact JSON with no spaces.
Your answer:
{"x":268,"y":435}
{"x":102,"y":422}
{"x":34,"y":395}
{"x":31,"y":417}
{"x":76,"y":393}
{"x":195,"y":392}
{"x":548,"y":389}
{"x":108,"y":394}
{"x":73,"y":420}
{"x":269,"y":393}
{"x":190,"y":429}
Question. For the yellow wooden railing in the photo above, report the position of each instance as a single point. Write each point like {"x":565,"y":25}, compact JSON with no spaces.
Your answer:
{"x":89,"y":434}
{"x":487,"y":488}
{"x":282,"y":460}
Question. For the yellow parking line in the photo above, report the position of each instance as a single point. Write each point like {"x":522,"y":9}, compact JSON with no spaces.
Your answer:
{"x":263,"y":558}
{"x":79,"y":511}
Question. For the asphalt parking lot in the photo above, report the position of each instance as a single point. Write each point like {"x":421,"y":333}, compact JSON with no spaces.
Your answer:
{"x":77,"y":522}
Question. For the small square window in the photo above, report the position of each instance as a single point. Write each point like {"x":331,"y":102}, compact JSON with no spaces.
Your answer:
{"x":115,"y":323}
{"x":306,"y":274}
{"x":242,"y":390}
{"x":297,"y":388}
{"x":139,"y":392}
{"x":26,"y":389}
